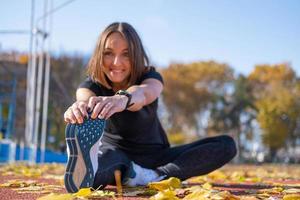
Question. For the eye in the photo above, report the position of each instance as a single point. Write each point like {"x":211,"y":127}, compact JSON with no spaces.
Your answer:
{"x":107,"y":53}
{"x":126,"y":54}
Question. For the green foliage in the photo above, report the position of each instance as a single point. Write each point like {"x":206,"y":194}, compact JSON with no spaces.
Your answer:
{"x":228,"y":109}
{"x":190,"y":88}
{"x":277,"y":100}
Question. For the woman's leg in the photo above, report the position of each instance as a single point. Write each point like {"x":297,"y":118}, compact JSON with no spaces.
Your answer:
{"x":197,"y":158}
{"x":110,"y":160}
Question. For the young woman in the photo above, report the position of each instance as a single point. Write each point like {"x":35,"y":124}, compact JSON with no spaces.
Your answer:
{"x":113,"y":125}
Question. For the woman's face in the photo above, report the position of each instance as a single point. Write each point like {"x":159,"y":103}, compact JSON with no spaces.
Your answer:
{"x":116,"y":61}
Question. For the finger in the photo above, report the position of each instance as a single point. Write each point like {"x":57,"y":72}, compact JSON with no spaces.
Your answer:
{"x":83,"y":109}
{"x":97,"y":109}
{"x":71,"y":117}
{"x":112,"y":111}
{"x":106,"y":108}
{"x":67,"y":116}
{"x":66,"y":119}
{"x":77,"y":114}
{"x":92,"y":103}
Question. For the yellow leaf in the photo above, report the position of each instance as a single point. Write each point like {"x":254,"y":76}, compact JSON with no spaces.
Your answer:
{"x":198,"y":195}
{"x":171,"y":183}
{"x":165,"y":195}
{"x":197,"y":179}
{"x":254,"y":179}
{"x":291,"y":197}
{"x":83,"y":192}
{"x":224,"y":195}
{"x":207,"y":186}
{"x":291,"y":191}
{"x":57,"y":197}
{"x":263,"y":195}
{"x":238,"y":176}
{"x":217,"y":175}
{"x":19,"y":184}
{"x":274,"y":190}
{"x":101,"y":193}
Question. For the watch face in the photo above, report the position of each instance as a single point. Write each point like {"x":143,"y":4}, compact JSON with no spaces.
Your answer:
{"x":123,"y":92}
{"x":127,"y":94}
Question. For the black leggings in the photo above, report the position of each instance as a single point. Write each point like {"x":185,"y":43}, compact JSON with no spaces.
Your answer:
{"x":185,"y":161}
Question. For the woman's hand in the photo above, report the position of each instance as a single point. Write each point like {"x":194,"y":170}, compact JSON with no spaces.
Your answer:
{"x":104,"y":107}
{"x":76,"y":112}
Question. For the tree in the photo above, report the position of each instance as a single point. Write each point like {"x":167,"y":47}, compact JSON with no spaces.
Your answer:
{"x":229,"y":109}
{"x":277,"y":102}
{"x":190,"y":88}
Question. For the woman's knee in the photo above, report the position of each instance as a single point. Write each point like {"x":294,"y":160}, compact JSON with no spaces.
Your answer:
{"x":229,"y":146}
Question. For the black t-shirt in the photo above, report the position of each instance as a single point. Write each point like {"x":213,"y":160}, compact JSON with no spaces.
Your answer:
{"x":135,"y":132}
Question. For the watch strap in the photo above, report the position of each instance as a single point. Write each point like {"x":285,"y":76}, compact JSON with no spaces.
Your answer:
{"x":128,"y":95}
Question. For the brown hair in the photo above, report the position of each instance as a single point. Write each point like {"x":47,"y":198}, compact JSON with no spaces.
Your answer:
{"x":138,"y":58}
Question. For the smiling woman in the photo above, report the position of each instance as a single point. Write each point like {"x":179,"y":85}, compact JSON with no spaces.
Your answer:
{"x":113,"y":125}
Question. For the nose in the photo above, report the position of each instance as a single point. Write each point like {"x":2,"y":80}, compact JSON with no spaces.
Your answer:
{"x":117,"y":61}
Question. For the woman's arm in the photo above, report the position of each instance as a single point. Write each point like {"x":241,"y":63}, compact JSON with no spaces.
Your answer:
{"x":83,"y":94}
{"x":144,"y":94}
{"x":78,"y":110}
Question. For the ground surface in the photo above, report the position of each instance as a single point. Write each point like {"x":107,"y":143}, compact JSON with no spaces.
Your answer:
{"x":249,"y":182}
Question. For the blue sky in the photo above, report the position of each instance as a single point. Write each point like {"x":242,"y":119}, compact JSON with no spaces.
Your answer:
{"x":239,"y":33}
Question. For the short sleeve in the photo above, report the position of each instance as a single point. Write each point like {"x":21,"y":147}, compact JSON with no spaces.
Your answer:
{"x":91,"y":85}
{"x":152,"y":73}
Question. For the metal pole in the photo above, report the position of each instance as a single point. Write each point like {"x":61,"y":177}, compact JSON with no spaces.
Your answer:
{"x":33,"y":101}
{"x":39,"y":85}
{"x":29,"y":95}
{"x":33,"y":97}
{"x":46,"y":91}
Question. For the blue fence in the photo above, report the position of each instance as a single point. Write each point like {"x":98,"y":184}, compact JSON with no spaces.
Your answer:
{"x":10,"y":152}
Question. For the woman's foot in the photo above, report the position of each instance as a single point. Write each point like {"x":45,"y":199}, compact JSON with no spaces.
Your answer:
{"x":83,"y":142}
{"x":139,"y":176}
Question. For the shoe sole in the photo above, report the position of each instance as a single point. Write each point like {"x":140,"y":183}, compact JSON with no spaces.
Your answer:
{"x":80,"y":138}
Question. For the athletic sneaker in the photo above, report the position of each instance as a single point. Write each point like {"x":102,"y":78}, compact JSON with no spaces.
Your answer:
{"x":139,"y":176}
{"x":83,"y":142}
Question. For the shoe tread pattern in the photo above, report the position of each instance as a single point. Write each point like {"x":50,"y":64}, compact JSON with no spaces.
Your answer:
{"x":85,"y":135}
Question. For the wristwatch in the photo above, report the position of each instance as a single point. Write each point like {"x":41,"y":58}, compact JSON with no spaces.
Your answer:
{"x":128,"y":95}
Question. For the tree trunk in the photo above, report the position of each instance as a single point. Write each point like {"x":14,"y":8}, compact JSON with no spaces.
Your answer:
{"x":273,"y":152}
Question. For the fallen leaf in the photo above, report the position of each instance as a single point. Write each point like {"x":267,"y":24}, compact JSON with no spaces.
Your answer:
{"x":102,"y":193}
{"x":291,"y":197}
{"x":207,"y":186}
{"x":165,"y":195}
{"x":217,"y":175}
{"x":19,"y":184}
{"x":291,"y":191}
{"x":171,"y":183}
{"x":224,"y":195}
{"x":83,"y":192}
{"x":274,"y":190}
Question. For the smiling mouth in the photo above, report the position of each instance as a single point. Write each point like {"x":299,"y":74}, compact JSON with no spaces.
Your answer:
{"x":117,"y":71}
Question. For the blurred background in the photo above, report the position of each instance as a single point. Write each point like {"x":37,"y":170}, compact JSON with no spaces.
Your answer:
{"x":230,"y":67}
